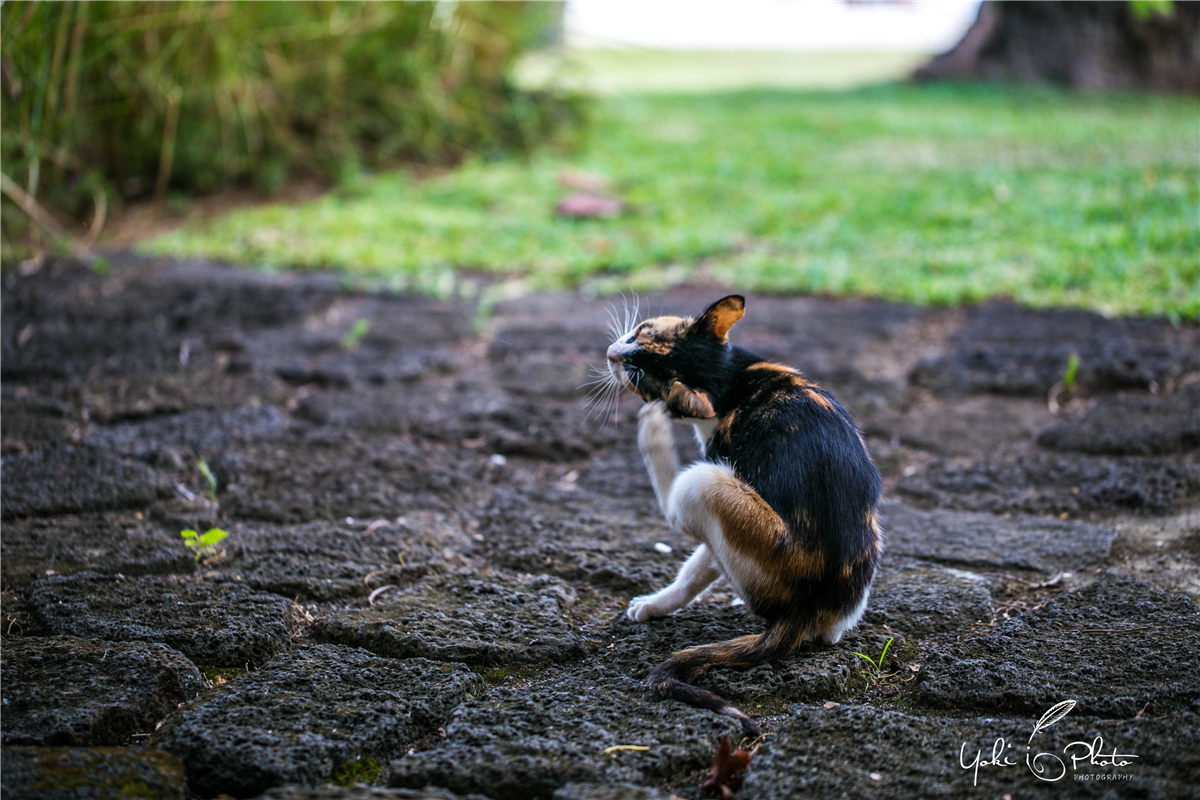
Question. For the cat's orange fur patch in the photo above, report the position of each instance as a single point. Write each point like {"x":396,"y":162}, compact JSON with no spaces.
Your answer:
{"x":782,"y":369}
{"x":722,"y":315}
{"x":818,"y":399}
{"x":799,"y":381}
{"x":873,"y":523}
{"x":658,"y":335}
{"x":752,"y":528}
{"x":725,"y":426}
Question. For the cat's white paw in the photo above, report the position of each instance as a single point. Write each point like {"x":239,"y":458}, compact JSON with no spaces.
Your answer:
{"x":654,"y":428}
{"x":644,"y":608}
{"x":653,"y":408}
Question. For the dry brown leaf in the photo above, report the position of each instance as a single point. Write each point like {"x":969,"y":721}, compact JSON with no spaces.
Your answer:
{"x":728,"y":769}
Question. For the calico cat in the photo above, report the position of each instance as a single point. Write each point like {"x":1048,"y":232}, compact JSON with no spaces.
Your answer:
{"x":783,"y":501}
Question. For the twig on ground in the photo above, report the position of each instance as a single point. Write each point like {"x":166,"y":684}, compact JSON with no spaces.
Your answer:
{"x":371,"y":597}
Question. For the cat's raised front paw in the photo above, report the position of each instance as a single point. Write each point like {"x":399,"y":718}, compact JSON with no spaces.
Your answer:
{"x":654,"y":428}
{"x":643,"y":608}
{"x":653,"y":408}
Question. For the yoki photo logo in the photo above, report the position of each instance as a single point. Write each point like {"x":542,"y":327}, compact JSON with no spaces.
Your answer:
{"x":1049,"y":765}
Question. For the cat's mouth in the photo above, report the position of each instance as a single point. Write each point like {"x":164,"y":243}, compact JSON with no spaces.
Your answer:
{"x":626,"y":377}
{"x":617,"y":368}
{"x":631,"y":379}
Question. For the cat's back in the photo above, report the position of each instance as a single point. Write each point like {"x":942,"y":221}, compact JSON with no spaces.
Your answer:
{"x":797,"y":447}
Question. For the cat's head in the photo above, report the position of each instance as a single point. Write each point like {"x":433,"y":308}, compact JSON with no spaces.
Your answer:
{"x":674,"y":359}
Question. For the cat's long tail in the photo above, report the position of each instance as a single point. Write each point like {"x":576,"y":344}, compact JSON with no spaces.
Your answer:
{"x":673,"y":678}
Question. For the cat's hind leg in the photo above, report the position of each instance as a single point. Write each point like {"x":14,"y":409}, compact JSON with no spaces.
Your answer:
{"x":696,"y":575}
{"x":710,"y":503}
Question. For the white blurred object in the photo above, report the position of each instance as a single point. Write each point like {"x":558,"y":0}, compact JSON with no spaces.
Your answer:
{"x":663,"y":547}
{"x":812,"y":25}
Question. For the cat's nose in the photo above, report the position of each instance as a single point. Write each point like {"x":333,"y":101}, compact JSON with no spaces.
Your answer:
{"x":614,"y":354}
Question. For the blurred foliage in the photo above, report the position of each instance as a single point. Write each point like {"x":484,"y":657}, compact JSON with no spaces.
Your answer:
{"x":108,"y":100}
{"x":928,"y":194}
{"x":1144,"y":9}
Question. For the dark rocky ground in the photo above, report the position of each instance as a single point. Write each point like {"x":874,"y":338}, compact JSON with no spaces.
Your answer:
{"x":429,"y":551}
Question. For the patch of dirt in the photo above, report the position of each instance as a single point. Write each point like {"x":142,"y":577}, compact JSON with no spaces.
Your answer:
{"x":1007,"y":350}
{"x":1132,"y":425}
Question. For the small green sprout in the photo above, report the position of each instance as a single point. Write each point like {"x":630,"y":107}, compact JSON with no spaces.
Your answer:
{"x":354,"y":336}
{"x":1070,"y":373}
{"x":211,"y":492}
{"x":876,"y":671}
{"x":205,"y":545}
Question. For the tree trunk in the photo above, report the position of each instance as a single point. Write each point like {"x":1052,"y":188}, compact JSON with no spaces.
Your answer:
{"x":1095,"y":45}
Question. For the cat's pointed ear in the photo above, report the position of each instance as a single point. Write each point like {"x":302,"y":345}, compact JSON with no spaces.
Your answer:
{"x":718,"y":318}
{"x":685,"y":402}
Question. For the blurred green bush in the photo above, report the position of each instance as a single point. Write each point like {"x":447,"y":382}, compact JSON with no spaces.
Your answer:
{"x":111,"y":101}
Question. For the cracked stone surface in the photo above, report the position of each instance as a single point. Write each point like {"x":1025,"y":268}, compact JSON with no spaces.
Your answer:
{"x":607,"y":791}
{"x":485,"y":620}
{"x":194,"y":432}
{"x":110,"y":543}
{"x":327,"y":474}
{"x":530,"y":741}
{"x":1131,"y":425}
{"x":1007,"y":350}
{"x":362,"y":793}
{"x":446,"y":459}
{"x":814,"y":672}
{"x":69,"y":480}
{"x":991,"y":542}
{"x":304,"y":714}
{"x":1105,"y":646}
{"x":223,"y":625}
{"x":579,"y":535}
{"x":871,"y":752}
{"x":104,"y":773}
{"x":916,"y":598}
{"x":65,"y":691}
{"x":327,"y":561}
{"x":1055,"y":483}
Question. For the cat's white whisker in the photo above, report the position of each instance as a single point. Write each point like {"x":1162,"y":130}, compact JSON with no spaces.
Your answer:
{"x":599,"y":380}
{"x":601,"y":403}
{"x":614,"y":322}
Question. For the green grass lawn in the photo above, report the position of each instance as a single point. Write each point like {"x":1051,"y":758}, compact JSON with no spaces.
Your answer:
{"x":934,"y":194}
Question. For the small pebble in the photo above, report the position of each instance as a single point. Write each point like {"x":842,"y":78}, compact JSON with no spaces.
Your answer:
{"x":663,"y":547}
{"x":498,"y":459}
{"x":349,"y":520}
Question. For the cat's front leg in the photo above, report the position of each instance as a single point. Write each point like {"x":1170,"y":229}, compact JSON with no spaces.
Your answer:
{"x":657,"y":444}
{"x":696,"y":575}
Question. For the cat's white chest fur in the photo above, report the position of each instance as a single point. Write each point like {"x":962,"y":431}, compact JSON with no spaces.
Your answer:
{"x":704,"y":430}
